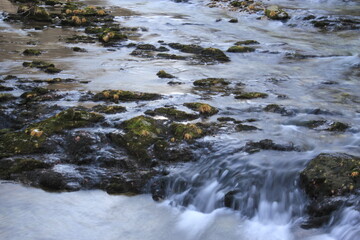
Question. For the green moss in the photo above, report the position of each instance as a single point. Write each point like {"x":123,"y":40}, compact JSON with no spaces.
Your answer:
{"x":215,"y":54}
{"x":142,"y":126}
{"x":191,"y":48}
{"x":202,"y":108}
{"x":120,"y":95}
{"x":186,"y":131}
{"x":4,"y":97}
{"x":109,"y":109}
{"x":111,"y":36}
{"x":247,"y":42}
{"x":210,"y":82}
{"x":163,"y":74}
{"x":172,"y":113}
{"x":240,"y":49}
{"x":338,"y":127}
{"x":27,"y":164}
{"x":32,"y":52}
{"x":251,"y":95}
{"x":34,"y":13}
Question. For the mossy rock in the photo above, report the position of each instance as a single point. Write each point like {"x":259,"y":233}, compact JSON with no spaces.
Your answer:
{"x":328,"y":175}
{"x":275,"y":13}
{"x":240,"y":49}
{"x":112,"y":36}
{"x":163,"y":74}
{"x":36,"y":94}
{"x":186,"y":131}
{"x":251,"y":95}
{"x":81,"y":39}
{"x":78,"y":49}
{"x":109,"y":109}
{"x":45,"y":66}
{"x":215,"y":54}
{"x":247,"y":42}
{"x":338,"y":127}
{"x":4,"y":88}
{"x":211,"y":82}
{"x":5,"y":97}
{"x":52,"y":70}
{"x":142,"y":126}
{"x":146,"y":47}
{"x":244,"y":127}
{"x":32,"y":52}
{"x":120,"y":95}
{"x":312,"y":123}
{"x":27,"y":164}
{"x":202,"y":108}
{"x":172,"y":114}
{"x":187,"y":48}
{"x":34,"y":13}
{"x":171,"y":56}
{"x":226,"y":119}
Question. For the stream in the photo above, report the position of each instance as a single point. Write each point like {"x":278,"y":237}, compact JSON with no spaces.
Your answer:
{"x":314,"y":73}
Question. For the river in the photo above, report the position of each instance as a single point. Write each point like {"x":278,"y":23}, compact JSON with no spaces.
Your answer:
{"x":314,"y":73}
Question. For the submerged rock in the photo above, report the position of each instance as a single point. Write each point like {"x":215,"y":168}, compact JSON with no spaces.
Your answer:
{"x":251,"y":95}
{"x":211,"y":82}
{"x":163,"y":74}
{"x":267,"y":144}
{"x":172,"y":114}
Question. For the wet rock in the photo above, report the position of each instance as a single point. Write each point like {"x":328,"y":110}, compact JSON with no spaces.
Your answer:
{"x":81,"y":39}
{"x":251,"y":95}
{"x":172,"y":114}
{"x":46,"y":67}
{"x":267,"y":144}
{"x":233,"y":20}
{"x":275,"y":13}
{"x":202,"y":108}
{"x":244,"y":127}
{"x":5,"y":97}
{"x":240,"y":49}
{"x":226,"y":119}
{"x":331,"y":23}
{"x":4,"y":88}
{"x":312,"y":123}
{"x":211,"y":82}
{"x":247,"y":42}
{"x":331,"y":175}
{"x":214,"y":54}
{"x":275,"y":108}
{"x":171,"y":56}
{"x":172,"y":152}
{"x":112,"y":109}
{"x":187,"y":131}
{"x":33,"y":12}
{"x":158,"y":189}
{"x":78,"y":49}
{"x":52,"y":181}
{"x":32,"y":52}
{"x":338,"y":127}
{"x":230,"y":200}
{"x":32,"y":139}
{"x":191,"y":48}
{"x":80,"y":146}
{"x":9,"y":168}
{"x":120,"y":95}
{"x":163,"y":74}
{"x":39,"y":94}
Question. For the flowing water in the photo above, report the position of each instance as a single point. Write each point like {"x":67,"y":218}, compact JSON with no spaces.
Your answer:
{"x":321,"y":84}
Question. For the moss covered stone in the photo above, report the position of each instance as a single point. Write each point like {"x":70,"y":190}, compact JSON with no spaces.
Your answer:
{"x":32,"y":52}
{"x":187,"y":48}
{"x":163,"y":74}
{"x":172,"y":114}
{"x":215,"y":54}
{"x":211,"y":82}
{"x":45,"y":66}
{"x":331,"y":175}
{"x":240,"y":49}
{"x":202,"y":108}
{"x":171,"y":56}
{"x":27,"y":164}
{"x":4,"y":97}
{"x":120,"y":95}
{"x":244,"y":127}
{"x":275,"y":13}
{"x":338,"y":127}
{"x":246,"y":42}
{"x":251,"y":95}
{"x":109,"y":109}
{"x":34,"y":12}
{"x":186,"y":131}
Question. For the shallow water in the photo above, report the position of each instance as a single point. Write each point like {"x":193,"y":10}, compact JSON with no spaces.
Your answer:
{"x":271,"y":204}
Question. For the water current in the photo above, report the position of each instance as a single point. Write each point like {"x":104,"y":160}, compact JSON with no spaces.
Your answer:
{"x":321,"y":84}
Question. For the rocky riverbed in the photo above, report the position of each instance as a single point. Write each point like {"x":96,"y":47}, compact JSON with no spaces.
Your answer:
{"x":100,"y":96}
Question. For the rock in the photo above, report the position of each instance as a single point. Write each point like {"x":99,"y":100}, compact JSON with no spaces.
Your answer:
{"x":251,"y":95}
{"x":214,"y":54}
{"x":243,"y":127}
{"x":52,"y":181}
{"x":46,"y":67}
{"x":330,"y":175}
{"x":338,"y":127}
{"x":240,"y":49}
{"x":158,"y":189}
{"x":163,"y":74}
{"x":34,"y":13}
{"x":172,"y":114}
{"x":170,"y":56}
{"x":267,"y":144}
{"x":32,"y":52}
{"x":202,"y":108}
{"x":186,"y":131}
{"x":172,"y":152}
{"x":233,"y":20}
{"x":120,"y":95}
{"x":5,"y":97}
{"x":275,"y":108}
{"x":275,"y":13}
{"x":191,"y":48}
{"x":112,"y":109}
{"x":246,"y":42}
{"x":211,"y":82}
